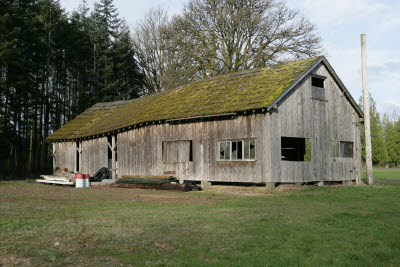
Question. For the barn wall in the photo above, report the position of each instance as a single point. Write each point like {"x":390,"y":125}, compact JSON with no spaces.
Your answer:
{"x":64,"y":153}
{"x":300,"y":115}
{"x":94,"y":155}
{"x":140,"y":150}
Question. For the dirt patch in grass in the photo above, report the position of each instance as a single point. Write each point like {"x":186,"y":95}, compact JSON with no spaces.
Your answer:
{"x":13,"y":261}
{"x":56,"y":192}
{"x":238,"y":190}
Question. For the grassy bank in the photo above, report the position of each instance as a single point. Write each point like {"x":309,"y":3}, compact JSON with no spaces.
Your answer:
{"x":51,"y":225}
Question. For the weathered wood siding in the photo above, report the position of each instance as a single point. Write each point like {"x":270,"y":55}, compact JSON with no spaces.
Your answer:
{"x":65,"y":154}
{"x":301,"y":115}
{"x":94,"y":155}
{"x":140,"y":150}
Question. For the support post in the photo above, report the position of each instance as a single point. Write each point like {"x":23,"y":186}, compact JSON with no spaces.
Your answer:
{"x":367,"y":127}
{"x":205,"y":184}
{"x":347,"y":182}
{"x":80,"y":156}
{"x":113,"y":165}
{"x":77,"y":157}
{"x":54,"y":157}
{"x":270,"y":186}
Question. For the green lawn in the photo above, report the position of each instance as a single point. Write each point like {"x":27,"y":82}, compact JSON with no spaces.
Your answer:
{"x":384,"y":173}
{"x":52,"y":225}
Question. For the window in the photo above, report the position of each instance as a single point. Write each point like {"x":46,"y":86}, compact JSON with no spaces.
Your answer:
{"x":341,"y":149}
{"x":177,"y":151}
{"x":295,"y":149}
{"x":237,"y":150}
{"x":317,"y":87}
{"x":334,"y":149}
{"x":225,"y":150}
{"x":250,"y":149}
{"x":346,"y":149}
{"x":317,"y":81}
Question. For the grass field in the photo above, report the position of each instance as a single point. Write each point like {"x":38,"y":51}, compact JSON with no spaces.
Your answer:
{"x":50,"y":225}
{"x":384,"y":173}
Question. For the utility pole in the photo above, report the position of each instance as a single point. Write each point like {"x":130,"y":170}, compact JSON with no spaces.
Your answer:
{"x":367,"y":127}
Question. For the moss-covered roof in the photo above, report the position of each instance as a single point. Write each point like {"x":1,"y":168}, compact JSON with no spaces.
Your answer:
{"x":235,"y":92}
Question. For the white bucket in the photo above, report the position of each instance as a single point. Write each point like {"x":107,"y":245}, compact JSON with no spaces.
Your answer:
{"x":79,"y":180}
{"x":86,"y":179}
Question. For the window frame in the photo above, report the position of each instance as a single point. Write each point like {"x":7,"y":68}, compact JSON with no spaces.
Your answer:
{"x":176,"y":143}
{"x":242,"y":140}
{"x":308,"y":144}
{"x":320,"y":77}
{"x":339,"y":150}
{"x":335,"y":149}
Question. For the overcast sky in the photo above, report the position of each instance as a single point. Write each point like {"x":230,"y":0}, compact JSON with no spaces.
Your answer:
{"x":340,"y":23}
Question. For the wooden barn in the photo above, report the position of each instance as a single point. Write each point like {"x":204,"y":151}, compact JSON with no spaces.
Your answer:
{"x":293,"y":122}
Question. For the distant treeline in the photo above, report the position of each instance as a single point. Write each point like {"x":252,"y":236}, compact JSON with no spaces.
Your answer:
{"x":54,"y":65}
{"x":385,"y":137}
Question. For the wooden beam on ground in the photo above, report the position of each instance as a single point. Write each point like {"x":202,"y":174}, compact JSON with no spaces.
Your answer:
{"x":147,"y":177}
{"x":54,"y":182}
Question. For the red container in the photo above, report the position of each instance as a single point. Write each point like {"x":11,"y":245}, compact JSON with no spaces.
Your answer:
{"x":86,"y":178}
{"x":79,"y":180}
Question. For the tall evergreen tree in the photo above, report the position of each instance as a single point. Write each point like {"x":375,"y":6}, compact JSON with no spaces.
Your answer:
{"x":50,"y":71}
{"x":392,"y":138}
{"x":128,"y":79}
{"x":379,"y":151}
{"x":105,"y":25}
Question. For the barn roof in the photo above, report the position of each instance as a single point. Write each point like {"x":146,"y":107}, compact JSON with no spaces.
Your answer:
{"x":231,"y":93}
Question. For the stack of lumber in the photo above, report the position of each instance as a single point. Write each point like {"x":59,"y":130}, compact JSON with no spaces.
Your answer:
{"x":55,"y":179}
{"x":151,"y":182}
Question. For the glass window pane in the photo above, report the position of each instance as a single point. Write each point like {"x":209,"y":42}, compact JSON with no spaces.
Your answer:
{"x":246,"y":149}
{"x":346,"y":149}
{"x":234,"y":150}
{"x":337,"y":148}
{"x":221,"y":150}
{"x":252,"y":149}
{"x":227,"y":150}
{"x":334,"y":149}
